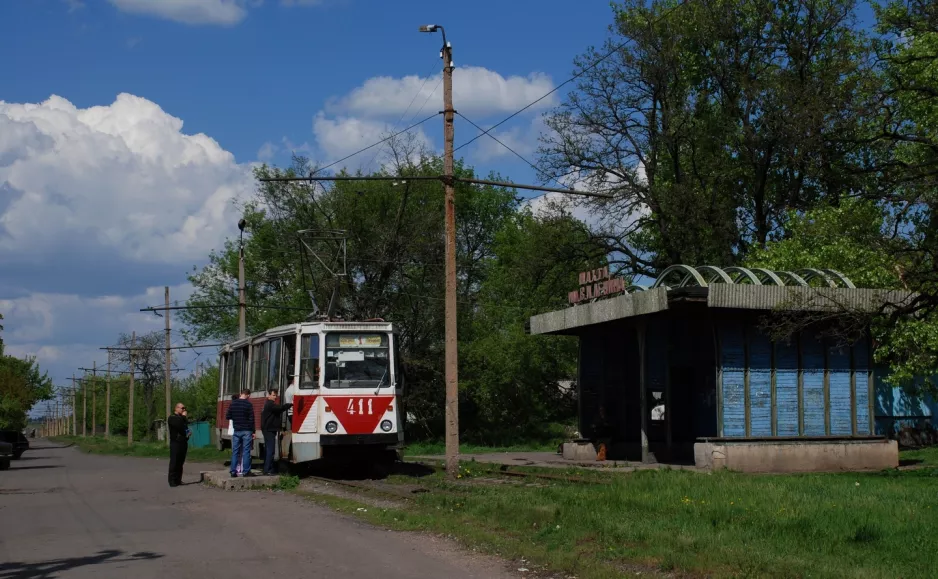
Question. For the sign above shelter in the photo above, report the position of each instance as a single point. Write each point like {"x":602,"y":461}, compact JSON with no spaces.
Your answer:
{"x":596,"y":283}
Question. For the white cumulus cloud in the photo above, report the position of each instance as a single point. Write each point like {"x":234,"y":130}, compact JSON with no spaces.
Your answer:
{"x":476,"y":91}
{"x":215,"y":12}
{"x":65,"y":331}
{"x":121,"y":179}
{"x":341,"y":136}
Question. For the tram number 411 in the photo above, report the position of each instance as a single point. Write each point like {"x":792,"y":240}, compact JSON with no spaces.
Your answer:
{"x":361,"y":406}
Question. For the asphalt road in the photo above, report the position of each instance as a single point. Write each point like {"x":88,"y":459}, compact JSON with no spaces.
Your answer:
{"x":70,"y":515}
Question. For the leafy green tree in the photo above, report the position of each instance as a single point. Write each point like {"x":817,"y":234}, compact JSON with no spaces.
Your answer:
{"x":850,"y":238}
{"x":513,"y":383}
{"x":199,"y":394}
{"x":22,"y":385}
{"x":709,"y":121}
{"x":857,"y":239}
{"x":395,"y":262}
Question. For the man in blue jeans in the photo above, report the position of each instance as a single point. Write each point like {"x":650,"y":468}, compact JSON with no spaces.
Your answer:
{"x":241,"y":412}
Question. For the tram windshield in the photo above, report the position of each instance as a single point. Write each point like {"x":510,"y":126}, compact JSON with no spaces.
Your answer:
{"x":357,"y":360}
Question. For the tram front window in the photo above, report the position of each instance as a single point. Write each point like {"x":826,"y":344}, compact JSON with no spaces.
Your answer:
{"x":356,"y":360}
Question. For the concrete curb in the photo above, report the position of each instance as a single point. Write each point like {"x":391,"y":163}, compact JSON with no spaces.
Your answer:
{"x":222,"y":479}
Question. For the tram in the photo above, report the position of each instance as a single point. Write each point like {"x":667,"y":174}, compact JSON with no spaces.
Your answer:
{"x":346,"y":390}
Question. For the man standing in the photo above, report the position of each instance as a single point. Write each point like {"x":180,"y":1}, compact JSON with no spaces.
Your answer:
{"x":178,"y":425}
{"x":241,"y":413}
{"x":270,"y":426}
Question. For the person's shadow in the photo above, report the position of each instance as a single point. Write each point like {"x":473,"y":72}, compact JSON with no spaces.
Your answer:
{"x":49,"y":569}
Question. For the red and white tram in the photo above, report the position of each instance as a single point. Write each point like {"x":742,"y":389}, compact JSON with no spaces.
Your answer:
{"x":346,"y":393}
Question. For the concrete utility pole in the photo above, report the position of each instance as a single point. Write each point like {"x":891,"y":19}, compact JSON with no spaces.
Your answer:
{"x":451,"y":347}
{"x":168,"y":359}
{"x":242,"y":302}
{"x":74,"y":408}
{"x":130,"y":404}
{"x":94,"y":398}
{"x":84,"y":408}
{"x":107,"y":400}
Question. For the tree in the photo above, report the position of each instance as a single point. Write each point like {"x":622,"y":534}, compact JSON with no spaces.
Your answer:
{"x":395,"y":261}
{"x":22,"y":385}
{"x":857,"y":239}
{"x":709,"y":121}
{"x":199,"y":394}
{"x":149,"y":366}
{"x":511,"y":381}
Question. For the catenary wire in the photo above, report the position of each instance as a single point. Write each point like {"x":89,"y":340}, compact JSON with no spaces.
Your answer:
{"x":384,"y":140}
{"x":516,"y":153}
{"x":403,"y":114}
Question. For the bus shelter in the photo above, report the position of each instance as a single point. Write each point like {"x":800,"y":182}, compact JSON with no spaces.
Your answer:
{"x":685,"y":371}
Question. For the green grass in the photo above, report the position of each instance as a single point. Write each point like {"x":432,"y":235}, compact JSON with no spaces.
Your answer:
{"x":923,"y":457}
{"x":439,"y":448}
{"x":118,"y":446}
{"x":719,"y":525}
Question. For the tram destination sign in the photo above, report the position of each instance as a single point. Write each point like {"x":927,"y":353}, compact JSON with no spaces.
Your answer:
{"x":596,"y":283}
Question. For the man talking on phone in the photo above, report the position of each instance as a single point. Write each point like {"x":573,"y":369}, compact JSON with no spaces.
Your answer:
{"x":178,"y":427}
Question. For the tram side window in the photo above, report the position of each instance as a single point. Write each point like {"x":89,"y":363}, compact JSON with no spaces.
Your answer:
{"x":234,"y":372}
{"x":309,"y":362}
{"x":260,"y":365}
{"x":273,"y":373}
{"x":222,"y":375}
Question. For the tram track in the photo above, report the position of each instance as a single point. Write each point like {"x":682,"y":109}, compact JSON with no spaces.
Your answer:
{"x":505,"y":470}
{"x":372,"y":486}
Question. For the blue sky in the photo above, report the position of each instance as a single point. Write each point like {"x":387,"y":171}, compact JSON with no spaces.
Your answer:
{"x":264,"y":77}
{"x":104,"y":199}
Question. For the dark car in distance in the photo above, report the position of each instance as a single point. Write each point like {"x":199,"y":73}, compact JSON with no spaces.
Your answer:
{"x":17,"y":439}
{"x":6,"y":450}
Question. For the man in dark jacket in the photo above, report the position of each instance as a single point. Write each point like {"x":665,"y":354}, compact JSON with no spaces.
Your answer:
{"x":270,"y":426}
{"x":178,"y":426}
{"x":241,"y":412}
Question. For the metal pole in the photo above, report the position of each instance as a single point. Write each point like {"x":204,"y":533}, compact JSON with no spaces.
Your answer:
{"x":168,"y":358}
{"x":74,"y":408}
{"x":94,"y":398}
{"x":107,"y":400}
{"x":130,"y":404}
{"x":242,"y":308}
{"x":452,"y":353}
{"x":84,"y":408}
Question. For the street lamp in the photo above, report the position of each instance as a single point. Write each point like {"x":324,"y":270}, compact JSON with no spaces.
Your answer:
{"x":242,"y":305}
{"x":452,"y":353}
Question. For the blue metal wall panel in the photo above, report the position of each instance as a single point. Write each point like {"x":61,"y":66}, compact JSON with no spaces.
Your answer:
{"x":786,"y":388}
{"x":841,"y":417}
{"x":861,"y":363}
{"x":760,"y":384}
{"x":734,"y":402}
{"x":812,"y":359}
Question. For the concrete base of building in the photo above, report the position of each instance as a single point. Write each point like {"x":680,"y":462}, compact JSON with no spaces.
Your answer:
{"x":797,"y":456}
{"x":579,"y":451}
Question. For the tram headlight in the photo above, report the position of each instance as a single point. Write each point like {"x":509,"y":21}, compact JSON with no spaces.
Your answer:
{"x":332,"y":426}
{"x":386,"y":425}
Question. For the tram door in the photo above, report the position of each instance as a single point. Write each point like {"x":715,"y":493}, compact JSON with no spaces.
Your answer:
{"x":287,"y":365}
